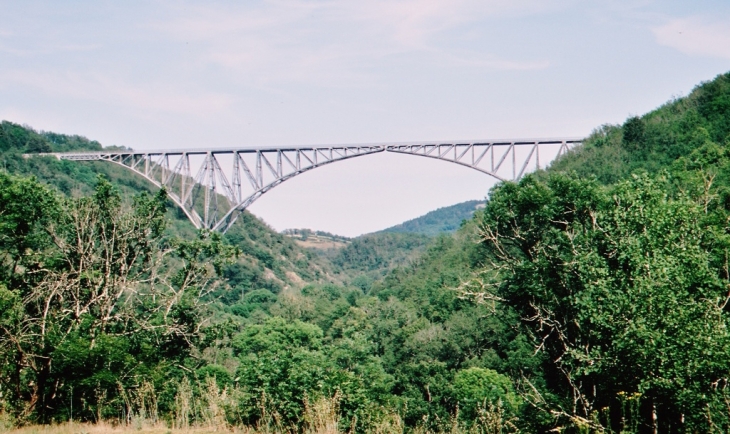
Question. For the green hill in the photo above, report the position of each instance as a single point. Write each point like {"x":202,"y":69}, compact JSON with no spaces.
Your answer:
{"x":269,"y":260}
{"x":615,"y":259}
{"x":442,"y":220}
{"x":588,"y":297}
{"x":374,"y":255}
{"x":362,"y":260}
{"x":656,"y":140}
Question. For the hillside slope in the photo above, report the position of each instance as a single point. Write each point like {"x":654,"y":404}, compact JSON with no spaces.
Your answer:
{"x":656,"y":140}
{"x":615,"y":259}
{"x":374,"y":255}
{"x":269,"y":260}
{"x":442,"y":220}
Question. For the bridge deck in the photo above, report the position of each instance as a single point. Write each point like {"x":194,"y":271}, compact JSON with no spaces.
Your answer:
{"x":254,"y":149}
{"x":214,"y":185}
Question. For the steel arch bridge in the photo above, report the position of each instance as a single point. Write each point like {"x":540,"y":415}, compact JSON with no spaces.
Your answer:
{"x":213,"y":186}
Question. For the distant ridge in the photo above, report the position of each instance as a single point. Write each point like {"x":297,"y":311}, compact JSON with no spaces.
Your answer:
{"x":443,"y":220}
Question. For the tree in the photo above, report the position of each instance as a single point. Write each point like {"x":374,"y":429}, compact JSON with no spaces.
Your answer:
{"x":282,"y":363}
{"x":480,"y":388}
{"x":25,"y":207}
{"x":36,"y":144}
{"x":634,"y":133}
{"x":623,"y":288}
{"x":285,"y":366}
{"x":95,"y":288}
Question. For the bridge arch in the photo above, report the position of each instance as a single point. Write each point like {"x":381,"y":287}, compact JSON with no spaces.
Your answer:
{"x":213,"y":186}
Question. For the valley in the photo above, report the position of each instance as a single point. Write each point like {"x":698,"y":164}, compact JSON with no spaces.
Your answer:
{"x":590,"y":296}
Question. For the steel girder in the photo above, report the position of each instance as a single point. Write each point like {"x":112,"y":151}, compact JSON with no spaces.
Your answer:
{"x":490,"y":156}
{"x":213,"y":186}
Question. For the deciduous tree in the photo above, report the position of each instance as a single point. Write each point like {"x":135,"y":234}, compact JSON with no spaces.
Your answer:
{"x":623,"y":288}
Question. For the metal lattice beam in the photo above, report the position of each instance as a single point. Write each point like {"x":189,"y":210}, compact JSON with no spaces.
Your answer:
{"x":227,"y":181}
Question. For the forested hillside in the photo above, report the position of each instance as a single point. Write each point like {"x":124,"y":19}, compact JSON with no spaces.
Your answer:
{"x":443,"y":220}
{"x":268,"y":260}
{"x":374,"y":255}
{"x":656,"y":140}
{"x":616,"y":261}
{"x":590,"y":297}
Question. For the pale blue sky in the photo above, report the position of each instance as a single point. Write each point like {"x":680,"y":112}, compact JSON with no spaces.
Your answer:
{"x":163,"y":74}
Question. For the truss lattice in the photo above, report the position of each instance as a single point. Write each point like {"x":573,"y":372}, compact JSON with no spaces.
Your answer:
{"x":213,"y":186}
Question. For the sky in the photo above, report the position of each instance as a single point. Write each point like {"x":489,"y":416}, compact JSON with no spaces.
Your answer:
{"x":183,"y":74}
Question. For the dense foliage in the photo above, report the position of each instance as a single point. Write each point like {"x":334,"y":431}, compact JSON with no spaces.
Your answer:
{"x":656,"y":140}
{"x":622,"y":279}
{"x":591,"y":297}
{"x":92,"y":297}
{"x":625,"y":289}
{"x":376,"y":254}
{"x":442,"y":220}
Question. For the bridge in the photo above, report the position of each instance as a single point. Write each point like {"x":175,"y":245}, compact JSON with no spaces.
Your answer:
{"x":213,"y":186}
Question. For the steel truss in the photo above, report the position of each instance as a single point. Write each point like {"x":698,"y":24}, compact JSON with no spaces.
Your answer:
{"x":213,"y":198}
